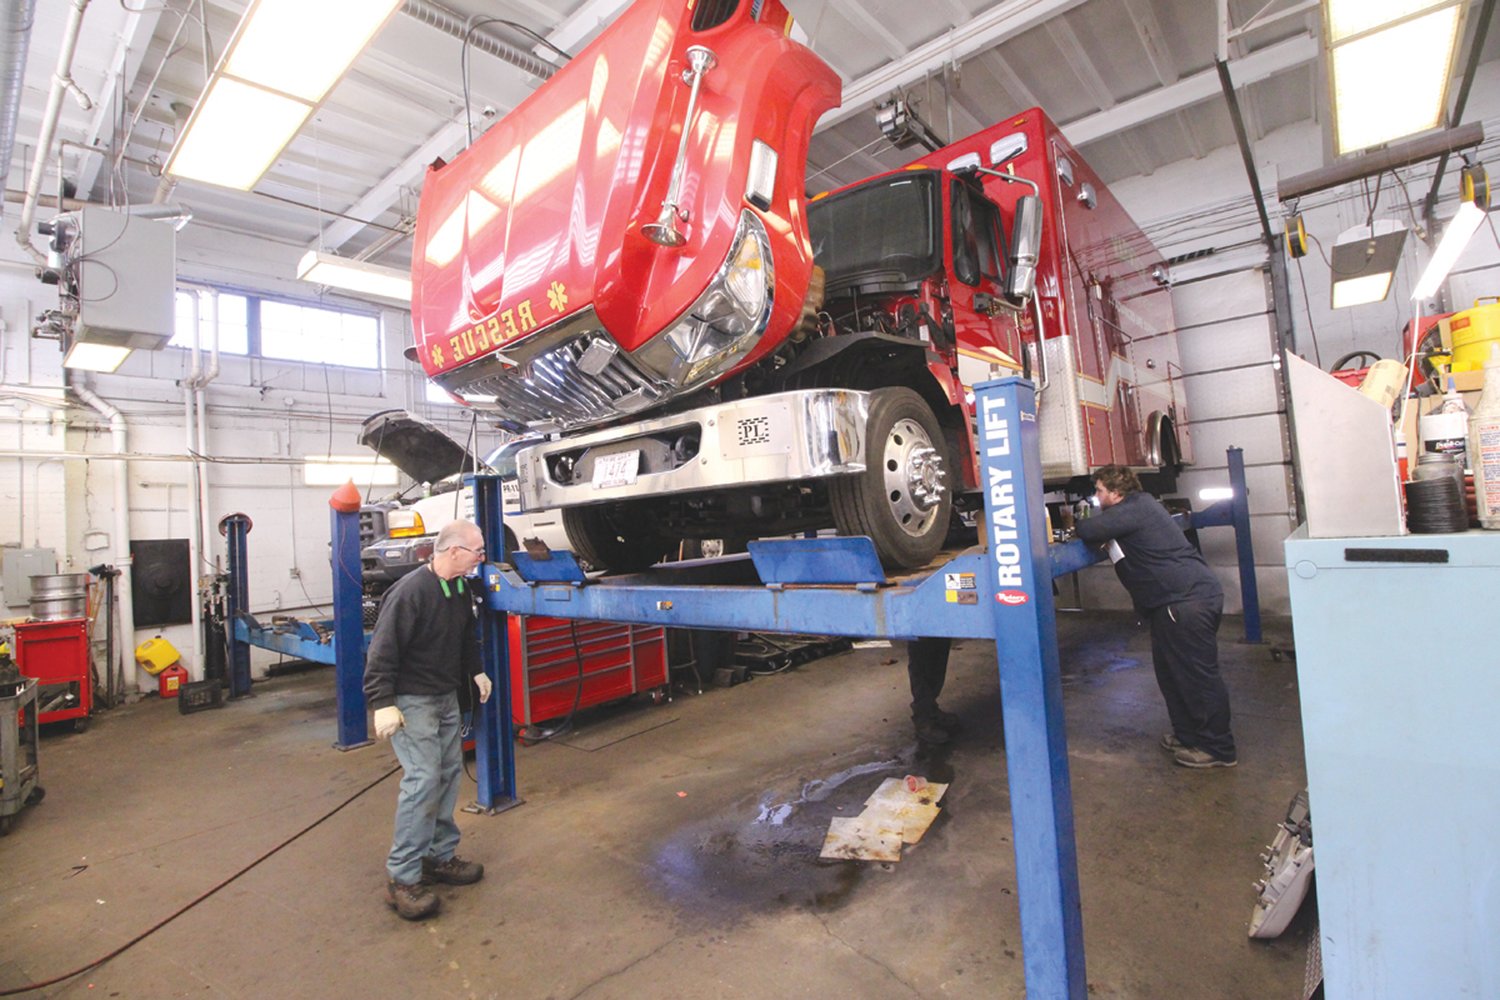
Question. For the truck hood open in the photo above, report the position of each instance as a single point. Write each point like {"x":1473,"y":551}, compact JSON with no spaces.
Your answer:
{"x":413,"y":445}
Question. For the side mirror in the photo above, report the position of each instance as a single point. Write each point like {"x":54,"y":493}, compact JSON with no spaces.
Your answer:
{"x":1025,"y":247}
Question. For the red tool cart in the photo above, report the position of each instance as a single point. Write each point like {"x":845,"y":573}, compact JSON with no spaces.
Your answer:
{"x":610,"y":661}
{"x":56,"y":653}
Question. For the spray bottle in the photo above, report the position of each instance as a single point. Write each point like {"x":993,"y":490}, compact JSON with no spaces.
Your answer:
{"x":1484,"y":444}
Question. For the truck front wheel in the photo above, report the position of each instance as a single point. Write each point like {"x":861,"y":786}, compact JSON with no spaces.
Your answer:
{"x":904,"y":498}
{"x":608,"y":538}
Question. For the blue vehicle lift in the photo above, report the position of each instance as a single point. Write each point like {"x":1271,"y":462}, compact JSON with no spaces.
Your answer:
{"x":1004,"y":593}
{"x":832,"y":586}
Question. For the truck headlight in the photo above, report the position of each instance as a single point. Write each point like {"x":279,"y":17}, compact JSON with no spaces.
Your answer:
{"x":726,"y":321}
{"x":404,"y":524}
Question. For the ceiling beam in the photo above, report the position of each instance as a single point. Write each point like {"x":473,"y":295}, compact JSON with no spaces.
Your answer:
{"x":862,"y":21}
{"x":984,"y":31}
{"x":130,"y":51}
{"x":388,"y":189}
{"x":579,"y":26}
{"x":1011,"y":81}
{"x":1191,"y":90}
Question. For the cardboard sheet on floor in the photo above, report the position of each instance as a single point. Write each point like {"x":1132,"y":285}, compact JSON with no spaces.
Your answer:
{"x":862,"y":838}
{"x":907,"y":803}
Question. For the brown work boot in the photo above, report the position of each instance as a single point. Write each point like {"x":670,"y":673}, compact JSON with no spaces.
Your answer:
{"x":413,"y":901}
{"x":454,"y":871}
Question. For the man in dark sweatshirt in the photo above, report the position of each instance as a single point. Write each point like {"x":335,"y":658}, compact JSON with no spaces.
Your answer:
{"x":1176,"y":592}
{"x":424,"y":649}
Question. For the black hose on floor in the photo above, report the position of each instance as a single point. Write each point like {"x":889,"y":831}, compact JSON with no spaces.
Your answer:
{"x":14,"y":990}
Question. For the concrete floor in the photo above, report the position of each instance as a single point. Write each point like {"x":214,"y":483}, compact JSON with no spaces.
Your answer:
{"x":638,"y":865}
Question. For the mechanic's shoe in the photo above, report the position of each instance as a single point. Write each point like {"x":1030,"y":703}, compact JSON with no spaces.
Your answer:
{"x":947,"y":720}
{"x":454,"y":871}
{"x":1171,"y":744}
{"x":930,"y":730}
{"x":412,"y":901}
{"x":1193,"y":757}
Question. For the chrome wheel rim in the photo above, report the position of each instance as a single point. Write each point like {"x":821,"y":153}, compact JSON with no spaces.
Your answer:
{"x":913,"y":476}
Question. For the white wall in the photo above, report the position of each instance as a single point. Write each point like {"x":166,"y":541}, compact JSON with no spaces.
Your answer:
{"x":1194,"y":204}
{"x":264,"y":417}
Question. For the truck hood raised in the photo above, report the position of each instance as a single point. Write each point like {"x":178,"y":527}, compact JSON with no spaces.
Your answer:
{"x":413,"y":445}
{"x":538,"y":224}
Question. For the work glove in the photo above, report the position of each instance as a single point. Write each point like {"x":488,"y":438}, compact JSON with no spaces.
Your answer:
{"x":482,"y":682}
{"x":387,"y":721}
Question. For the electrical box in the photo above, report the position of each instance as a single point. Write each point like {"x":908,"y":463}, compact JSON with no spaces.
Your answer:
{"x":20,"y":565}
{"x":127,"y":279}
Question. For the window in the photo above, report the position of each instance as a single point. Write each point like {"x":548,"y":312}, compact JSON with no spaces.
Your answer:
{"x":976,"y":246}
{"x":319,"y":336}
{"x":884,"y":230}
{"x":234,"y":327}
{"x":249,"y":324}
{"x":437,"y":394}
{"x":336,"y":470}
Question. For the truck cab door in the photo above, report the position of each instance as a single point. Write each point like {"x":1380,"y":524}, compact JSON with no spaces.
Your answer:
{"x":984,"y":332}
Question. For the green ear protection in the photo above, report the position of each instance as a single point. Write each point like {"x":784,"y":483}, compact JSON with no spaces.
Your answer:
{"x":444,"y":584}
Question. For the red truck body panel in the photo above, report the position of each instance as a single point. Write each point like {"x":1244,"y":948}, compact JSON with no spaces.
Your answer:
{"x":541,"y":217}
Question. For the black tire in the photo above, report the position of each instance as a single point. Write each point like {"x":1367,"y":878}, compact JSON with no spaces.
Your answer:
{"x":903,"y":445}
{"x":81,"y":724}
{"x":606,"y":539}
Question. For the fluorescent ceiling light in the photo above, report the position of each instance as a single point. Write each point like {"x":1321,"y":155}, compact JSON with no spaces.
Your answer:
{"x":1216,"y":493}
{"x":354,"y":275}
{"x":283,"y":59}
{"x":1390,"y":62}
{"x":1455,"y":238}
{"x":1364,"y":261}
{"x":235,"y":134}
{"x":95,"y":357}
{"x":336,"y":470}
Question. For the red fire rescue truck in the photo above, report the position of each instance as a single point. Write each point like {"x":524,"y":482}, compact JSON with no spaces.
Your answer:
{"x":628,"y":263}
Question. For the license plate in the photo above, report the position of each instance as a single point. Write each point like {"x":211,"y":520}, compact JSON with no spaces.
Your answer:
{"x":619,"y":469}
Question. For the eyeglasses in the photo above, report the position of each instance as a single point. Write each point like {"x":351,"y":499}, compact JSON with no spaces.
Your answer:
{"x":478,"y":552}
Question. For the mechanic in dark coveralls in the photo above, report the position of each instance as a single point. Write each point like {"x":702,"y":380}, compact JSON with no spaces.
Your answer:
{"x":1176,"y":592}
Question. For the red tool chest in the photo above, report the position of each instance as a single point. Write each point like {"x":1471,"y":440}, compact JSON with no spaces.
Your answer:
{"x":56,"y":653}
{"x":616,"y":660}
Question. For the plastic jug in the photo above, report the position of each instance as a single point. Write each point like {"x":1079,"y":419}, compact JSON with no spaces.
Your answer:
{"x":156,"y":655}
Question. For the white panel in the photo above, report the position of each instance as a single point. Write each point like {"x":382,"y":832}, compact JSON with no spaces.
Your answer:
{"x":1217,"y":395}
{"x":1245,"y":341}
{"x":1213,"y":299}
{"x":1260,"y":437}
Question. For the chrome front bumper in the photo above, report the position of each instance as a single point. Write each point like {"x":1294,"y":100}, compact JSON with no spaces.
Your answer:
{"x":787,"y":437}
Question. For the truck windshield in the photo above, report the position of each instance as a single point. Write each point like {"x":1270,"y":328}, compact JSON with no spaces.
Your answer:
{"x":885,"y":230}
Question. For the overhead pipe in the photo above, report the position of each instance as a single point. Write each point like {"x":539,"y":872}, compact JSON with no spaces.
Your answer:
{"x":15,"y":39}
{"x":61,"y":79}
{"x":119,"y":439}
{"x":453,"y":23}
{"x":1369,"y":164}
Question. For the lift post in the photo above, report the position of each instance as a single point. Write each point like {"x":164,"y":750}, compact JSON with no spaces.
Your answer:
{"x":1235,"y":512}
{"x":236,"y":530}
{"x":1018,"y":592}
{"x":494,"y":725}
{"x":348,"y":629}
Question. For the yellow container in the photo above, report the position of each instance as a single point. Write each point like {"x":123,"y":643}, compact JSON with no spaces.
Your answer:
{"x":1473,"y":330}
{"x":156,"y":655}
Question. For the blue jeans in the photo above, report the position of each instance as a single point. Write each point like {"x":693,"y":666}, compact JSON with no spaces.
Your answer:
{"x":431,"y":755}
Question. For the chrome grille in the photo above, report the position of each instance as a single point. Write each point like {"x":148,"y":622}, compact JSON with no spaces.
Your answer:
{"x":550,"y":392}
